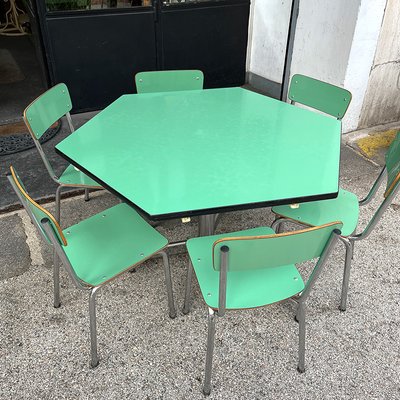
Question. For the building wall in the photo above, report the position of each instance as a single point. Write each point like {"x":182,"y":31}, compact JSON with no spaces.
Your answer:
{"x":336,"y":42}
{"x":361,"y":58}
{"x":322,"y":43}
{"x":269,"y":34}
{"x":323,"y":39}
{"x":382,"y":99}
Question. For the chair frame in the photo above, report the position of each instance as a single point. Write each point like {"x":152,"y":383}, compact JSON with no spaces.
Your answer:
{"x":349,"y":241}
{"x":60,"y":254}
{"x":46,"y":162}
{"x":299,"y":299}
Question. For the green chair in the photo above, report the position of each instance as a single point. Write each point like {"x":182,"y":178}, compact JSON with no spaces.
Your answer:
{"x":168,"y":81}
{"x":346,"y":208}
{"x":254,"y":268}
{"x":97,"y":250}
{"x":322,"y":96}
{"x":39,"y":116}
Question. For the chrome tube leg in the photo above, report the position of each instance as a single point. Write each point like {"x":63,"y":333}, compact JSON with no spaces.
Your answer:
{"x":277,"y":225}
{"x":210,"y":351}
{"x":186,"y":304}
{"x":346,"y":274}
{"x":216,"y":221}
{"x":301,"y":316}
{"x":352,"y":248}
{"x":94,"y":362}
{"x":297,"y":316}
{"x":56,"y":279}
{"x":58,"y":204}
{"x":206,"y":225}
{"x":168,"y":282}
{"x":87,"y":198}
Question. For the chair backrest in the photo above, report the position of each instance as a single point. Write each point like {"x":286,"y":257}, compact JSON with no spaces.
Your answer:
{"x":322,"y":96}
{"x":255,"y":252}
{"x":35,"y":211}
{"x":168,"y":81}
{"x":393,"y":165}
{"x":41,"y":114}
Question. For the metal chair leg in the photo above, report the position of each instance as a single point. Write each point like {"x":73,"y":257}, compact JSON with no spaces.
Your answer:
{"x":210,"y":351}
{"x":346,"y":275}
{"x":87,"y":198}
{"x":301,"y":317}
{"x":56,"y":279}
{"x":168,"y":282}
{"x":58,"y":204}
{"x":277,"y":225}
{"x":93,"y":330}
{"x":297,"y":316}
{"x":186,"y":304}
{"x":206,"y":225}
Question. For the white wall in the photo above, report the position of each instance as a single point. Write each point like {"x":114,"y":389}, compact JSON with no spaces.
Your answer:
{"x":335,"y":41}
{"x":382,"y":98}
{"x":322,"y":43}
{"x":323,"y":38}
{"x":267,"y":41}
{"x":361,"y":57}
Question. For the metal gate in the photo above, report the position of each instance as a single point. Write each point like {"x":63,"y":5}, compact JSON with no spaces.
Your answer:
{"x":97,"y":46}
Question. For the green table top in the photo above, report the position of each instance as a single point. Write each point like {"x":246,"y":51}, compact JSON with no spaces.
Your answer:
{"x":198,"y":152}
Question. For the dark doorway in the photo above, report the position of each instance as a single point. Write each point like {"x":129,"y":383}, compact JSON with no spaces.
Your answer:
{"x":21,"y":74}
{"x":97,"y":46}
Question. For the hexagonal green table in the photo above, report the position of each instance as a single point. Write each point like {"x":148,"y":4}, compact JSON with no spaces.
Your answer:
{"x":202,"y":152}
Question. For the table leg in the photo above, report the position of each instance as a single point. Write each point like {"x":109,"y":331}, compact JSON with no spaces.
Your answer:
{"x":207,"y":224}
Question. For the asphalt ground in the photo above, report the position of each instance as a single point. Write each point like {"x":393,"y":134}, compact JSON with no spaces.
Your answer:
{"x":44,"y":352}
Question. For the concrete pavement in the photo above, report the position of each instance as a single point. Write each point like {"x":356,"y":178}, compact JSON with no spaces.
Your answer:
{"x":44,"y":352}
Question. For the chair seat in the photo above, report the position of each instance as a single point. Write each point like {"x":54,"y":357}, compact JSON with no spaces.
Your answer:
{"x":344,"y":208}
{"x":245,"y":288}
{"x":73,"y":177}
{"x":106,"y":244}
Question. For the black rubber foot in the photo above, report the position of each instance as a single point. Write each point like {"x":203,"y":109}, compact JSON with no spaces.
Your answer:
{"x":206,"y":393}
{"x":58,"y":306}
{"x":172,"y":316}
{"x":301,"y":371}
{"x":184,"y":312}
{"x":295,"y":318}
{"x":342,"y":309}
{"x":87,"y":199}
{"x":132,"y":271}
{"x":94,"y":366}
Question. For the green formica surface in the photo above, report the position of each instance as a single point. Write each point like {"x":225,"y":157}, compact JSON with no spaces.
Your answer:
{"x":195,"y":152}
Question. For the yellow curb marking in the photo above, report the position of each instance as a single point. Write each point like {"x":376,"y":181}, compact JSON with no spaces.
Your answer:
{"x":370,"y":144}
